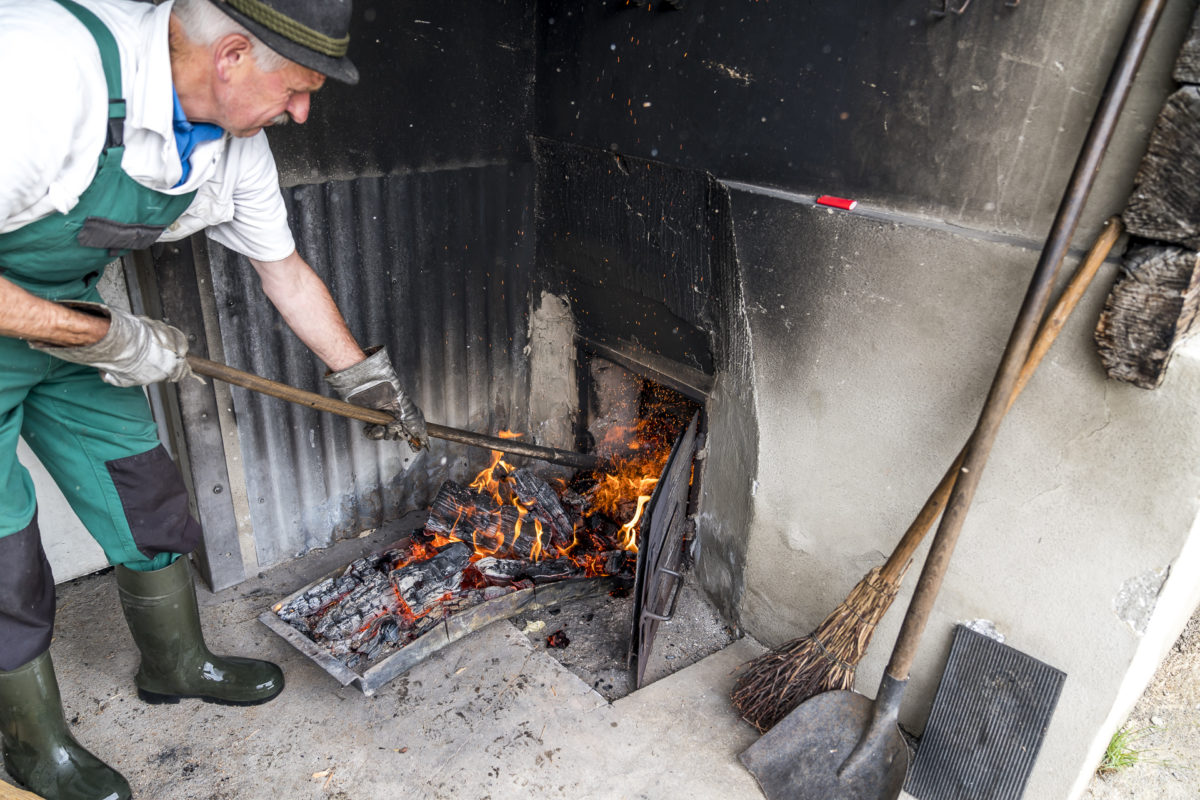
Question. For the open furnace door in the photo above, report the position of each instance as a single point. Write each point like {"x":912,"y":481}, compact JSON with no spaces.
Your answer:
{"x":659,"y":578}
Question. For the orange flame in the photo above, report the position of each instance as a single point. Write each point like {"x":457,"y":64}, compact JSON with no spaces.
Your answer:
{"x":622,"y":491}
{"x":486,"y":482}
{"x":630,"y":529}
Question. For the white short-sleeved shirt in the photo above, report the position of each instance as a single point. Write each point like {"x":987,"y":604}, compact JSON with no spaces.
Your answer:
{"x":56,"y":114}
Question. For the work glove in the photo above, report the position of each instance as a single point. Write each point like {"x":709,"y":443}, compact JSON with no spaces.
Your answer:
{"x":373,"y":383}
{"x":135,"y":351}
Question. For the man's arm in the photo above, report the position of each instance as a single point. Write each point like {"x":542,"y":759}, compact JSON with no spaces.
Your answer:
{"x":26,"y":316}
{"x":307,"y":307}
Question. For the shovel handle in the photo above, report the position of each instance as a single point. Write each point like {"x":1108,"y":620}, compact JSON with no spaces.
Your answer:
{"x":282,"y":391}
{"x":897,"y":563}
{"x":1070,"y":209}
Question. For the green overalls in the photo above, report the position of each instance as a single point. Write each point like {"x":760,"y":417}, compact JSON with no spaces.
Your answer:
{"x":99,"y":442}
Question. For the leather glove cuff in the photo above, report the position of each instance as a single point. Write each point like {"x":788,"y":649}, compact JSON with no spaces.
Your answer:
{"x":373,"y":370}
{"x":135,"y":351}
{"x":372,"y":382}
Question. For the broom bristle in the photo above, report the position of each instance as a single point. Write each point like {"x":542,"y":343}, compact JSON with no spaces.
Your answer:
{"x":779,"y":680}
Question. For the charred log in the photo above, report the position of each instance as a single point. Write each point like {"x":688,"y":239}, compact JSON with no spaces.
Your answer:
{"x":462,"y":513}
{"x":602,"y":533}
{"x":509,"y":570}
{"x":542,"y":501}
{"x":621,"y":563}
{"x":573,"y":503}
{"x":422,"y":584}
{"x":369,"y":599}
{"x":1150,"y":310}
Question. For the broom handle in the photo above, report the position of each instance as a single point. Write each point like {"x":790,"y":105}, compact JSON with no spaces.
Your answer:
{"x":282,"y":391}
{"x":1053,"y":324}
{"x":1104,"y":122}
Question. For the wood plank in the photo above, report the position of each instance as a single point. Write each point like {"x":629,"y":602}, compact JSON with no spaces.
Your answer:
{"x":1150,"y":310}
{"x":1165,"y":203}
{"x":1187,"y":67}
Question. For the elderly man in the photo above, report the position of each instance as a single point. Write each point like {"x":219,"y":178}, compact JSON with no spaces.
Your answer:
{"x":129,"y":123}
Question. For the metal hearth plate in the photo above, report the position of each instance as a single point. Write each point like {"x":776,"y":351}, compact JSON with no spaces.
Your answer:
{"x":454,"y":627}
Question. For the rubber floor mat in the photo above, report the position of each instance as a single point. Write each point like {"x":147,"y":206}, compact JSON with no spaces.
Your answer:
{"x":989,"y":717}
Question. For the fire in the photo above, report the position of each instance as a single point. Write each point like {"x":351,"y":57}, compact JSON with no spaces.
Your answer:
{"x":486,"y":482}
{"x":529,"y":530}
{"x":630,"y":483}
{"x":630,"y":529}
{"x":620,"y":492}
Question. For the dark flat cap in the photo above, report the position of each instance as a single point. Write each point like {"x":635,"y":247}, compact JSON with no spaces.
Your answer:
{"x":313,"y":33}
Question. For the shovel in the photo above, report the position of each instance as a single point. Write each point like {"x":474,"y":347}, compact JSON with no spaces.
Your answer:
{"x":282,"y":391}
{"x":842,"y":745}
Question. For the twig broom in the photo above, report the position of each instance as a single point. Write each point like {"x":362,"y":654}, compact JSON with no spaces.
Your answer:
{"x":773,"y":684}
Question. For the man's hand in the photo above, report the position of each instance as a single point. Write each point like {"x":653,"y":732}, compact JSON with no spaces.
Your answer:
{"x":373,"y":383}
{"x":135,"y":350}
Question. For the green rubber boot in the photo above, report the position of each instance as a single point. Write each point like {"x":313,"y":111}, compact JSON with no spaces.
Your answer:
{"x":160,"y":607}
{"x":39,"y":751}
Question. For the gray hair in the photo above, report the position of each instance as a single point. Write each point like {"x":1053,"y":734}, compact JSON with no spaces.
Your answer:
{"x":203,"y":23}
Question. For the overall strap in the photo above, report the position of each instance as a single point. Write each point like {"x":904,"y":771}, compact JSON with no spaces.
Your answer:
{"x":110,"y":57}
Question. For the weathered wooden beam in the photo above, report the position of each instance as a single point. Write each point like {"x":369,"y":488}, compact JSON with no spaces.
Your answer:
{"x":1149,"y":311}
{"x":1165,"y":203}
{"x":1187,"y":67}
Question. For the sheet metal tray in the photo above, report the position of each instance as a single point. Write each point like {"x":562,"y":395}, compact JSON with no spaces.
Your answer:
{"x":374,"y":676}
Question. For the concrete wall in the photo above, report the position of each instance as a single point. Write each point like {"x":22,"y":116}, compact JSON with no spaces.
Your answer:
{"x":872,"y":336}
{"x":1091,"y":491}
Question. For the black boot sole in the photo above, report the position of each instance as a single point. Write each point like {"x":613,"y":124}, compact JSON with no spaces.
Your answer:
{"x":155,"y":699}
{"x":20,"y":785}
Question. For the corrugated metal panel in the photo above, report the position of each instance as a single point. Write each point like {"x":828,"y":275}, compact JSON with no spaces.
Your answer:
{"x":438,"y":267}
{"x":632,"y":234}
{"x":988,"y":720}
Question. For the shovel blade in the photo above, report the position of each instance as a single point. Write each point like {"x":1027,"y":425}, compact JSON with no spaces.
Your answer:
{"x":800,"y":758}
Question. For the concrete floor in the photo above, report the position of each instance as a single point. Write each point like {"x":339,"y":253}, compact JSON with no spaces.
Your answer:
{"x":490,"y":717}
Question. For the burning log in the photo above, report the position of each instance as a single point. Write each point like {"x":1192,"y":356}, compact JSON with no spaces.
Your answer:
{"x":424,"y":583}
{"x":369,"y":598}
{"x":529,"y":541}
{"x":620,"y":563}
{"x":523,"y":533}
{"x":541,"y":500}
{"x":462,"y":513}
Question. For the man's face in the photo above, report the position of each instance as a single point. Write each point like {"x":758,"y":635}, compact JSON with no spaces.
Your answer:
{"x":251,"y":99}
